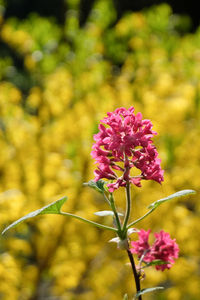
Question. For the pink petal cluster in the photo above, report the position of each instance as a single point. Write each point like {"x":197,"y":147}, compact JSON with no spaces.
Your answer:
{"x":163,"y":248}
{"x":124,"y":141}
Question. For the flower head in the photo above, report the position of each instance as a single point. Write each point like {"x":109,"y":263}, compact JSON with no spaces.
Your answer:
{"x":124,"y":141}
{"x":163,"y":248}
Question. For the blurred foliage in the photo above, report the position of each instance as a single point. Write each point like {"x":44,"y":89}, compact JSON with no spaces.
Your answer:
{"x":57,"y":82}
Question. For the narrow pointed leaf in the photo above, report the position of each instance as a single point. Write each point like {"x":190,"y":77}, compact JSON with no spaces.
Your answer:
{"x":96,"y":185}
{"x":157,"y":203}
{"x":105,"y":213}
{"x":149,"y":290}
{"x":157,"y":262}
{"x":53,"y":208}
{"x":175,"y":195}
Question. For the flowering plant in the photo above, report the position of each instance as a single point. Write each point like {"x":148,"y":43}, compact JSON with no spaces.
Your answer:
{"x":125,"y":155}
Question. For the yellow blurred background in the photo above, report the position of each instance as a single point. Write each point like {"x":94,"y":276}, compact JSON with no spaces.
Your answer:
{"x":73,"y":76}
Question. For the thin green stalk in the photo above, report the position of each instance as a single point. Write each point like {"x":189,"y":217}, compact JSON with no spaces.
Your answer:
{"x":112,"y":204}
{"x":141,"y":218}
{"x":106,"y":198}
{"x":88,"y":221}
{"x":128,"y":207}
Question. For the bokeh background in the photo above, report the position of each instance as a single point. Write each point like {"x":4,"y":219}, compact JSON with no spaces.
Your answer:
{"x":62,"y":67}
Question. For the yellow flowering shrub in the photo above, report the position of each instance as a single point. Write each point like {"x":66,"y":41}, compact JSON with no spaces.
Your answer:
{"x":72,"y":77}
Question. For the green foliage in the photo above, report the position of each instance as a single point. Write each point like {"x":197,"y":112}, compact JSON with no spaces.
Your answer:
{"x":103,"y":14}
{"x":156,"y":262}
{"x":97,"y":185}
{"x":155,"y":204}
{"x":53,"y":208}
{"x":149,"y":290}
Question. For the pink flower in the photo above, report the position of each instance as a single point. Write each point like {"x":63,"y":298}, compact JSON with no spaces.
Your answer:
{"x":164,"y":248}
{"x":142,"y":247}
{"x":124,"y":141}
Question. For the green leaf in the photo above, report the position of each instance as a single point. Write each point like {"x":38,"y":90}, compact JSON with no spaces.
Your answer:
{"x":157,"y":262}
{"x":105,"y":213}
{"x":125,"y":297}
{"x":148,"y":290}
{"x":53,"y":208}
{"x":157,"y":203}
{"x":175,"y":195}
{"x":97,"y":185}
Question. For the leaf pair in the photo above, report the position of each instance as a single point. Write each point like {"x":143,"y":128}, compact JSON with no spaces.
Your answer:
{"x":55,"y":208}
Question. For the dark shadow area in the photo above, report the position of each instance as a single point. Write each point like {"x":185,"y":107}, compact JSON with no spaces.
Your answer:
{"x":57,"y":9}
{"x":22,"y":8}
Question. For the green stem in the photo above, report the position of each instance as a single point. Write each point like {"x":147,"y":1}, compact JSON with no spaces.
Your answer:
{"x":89,"y":222}
{"x":141,"y":218}
{"x":128,"y":207}
{"x":112,"y":204}
{"x":106,"y":198}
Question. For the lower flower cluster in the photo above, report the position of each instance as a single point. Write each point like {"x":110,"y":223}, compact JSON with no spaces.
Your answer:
{"x":164,"y":249}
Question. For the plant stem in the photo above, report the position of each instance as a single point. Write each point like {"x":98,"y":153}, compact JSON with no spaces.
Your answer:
{"x":141,"y":218}
{"x":88,"y":221}
{"x":128,"y":206}
{"x":136,"y":276}
{"x":106,"y":198}
{"x":112,"y":204}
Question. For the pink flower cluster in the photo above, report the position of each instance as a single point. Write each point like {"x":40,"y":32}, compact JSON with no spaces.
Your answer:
{"x":124,"y":142}
{"x":164,"y":248}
